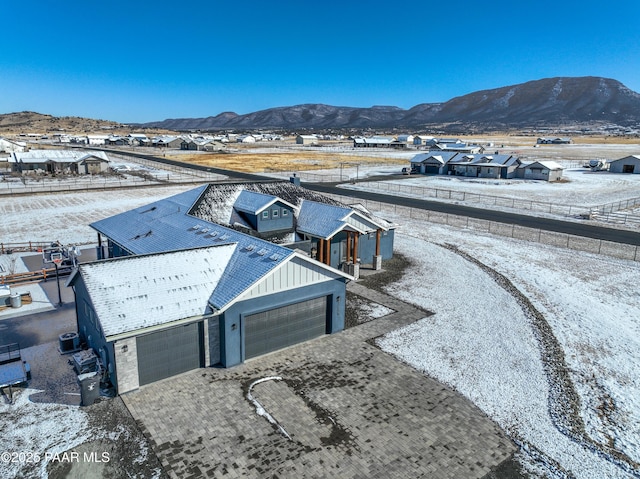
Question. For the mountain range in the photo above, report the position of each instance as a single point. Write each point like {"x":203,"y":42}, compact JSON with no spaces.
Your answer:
{"x":538,"y":103}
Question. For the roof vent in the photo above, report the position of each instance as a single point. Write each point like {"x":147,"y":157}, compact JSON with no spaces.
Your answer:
{"x":195,"y":227}
{"x":224,"y":237}
{"x":212,"y":234}
{"x":275,"y":257}
{"x":262,"y":252}
{"x":250,"y":247}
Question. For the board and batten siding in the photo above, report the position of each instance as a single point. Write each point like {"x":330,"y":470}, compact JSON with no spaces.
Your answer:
{"x":294,"y":274}
{"x":360,"y":224}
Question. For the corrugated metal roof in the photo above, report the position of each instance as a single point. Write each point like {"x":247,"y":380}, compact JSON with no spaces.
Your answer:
{"x":136,"y":292}
{"x":166,"y":226}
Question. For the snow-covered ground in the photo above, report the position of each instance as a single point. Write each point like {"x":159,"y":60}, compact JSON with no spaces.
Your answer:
{"x":581,"y":187}
{"x":482,"y":342}
{"x":39,"y":431}
{"x":581,"y":191}
{"x":65,"y":217}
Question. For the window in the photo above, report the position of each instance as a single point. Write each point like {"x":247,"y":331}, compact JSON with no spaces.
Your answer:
{"x":285,"y":212}
{"x":275,"y":213}
{"x":265,"y":214}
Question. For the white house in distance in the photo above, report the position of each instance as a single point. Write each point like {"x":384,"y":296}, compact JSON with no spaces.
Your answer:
{"x":10,"y":146}
{"x":306,"y":140}
{"x":97,"y":139}
{"x":628,"y":164}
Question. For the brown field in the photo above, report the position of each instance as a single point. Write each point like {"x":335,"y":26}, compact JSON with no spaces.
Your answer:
{"x":277,"y":161}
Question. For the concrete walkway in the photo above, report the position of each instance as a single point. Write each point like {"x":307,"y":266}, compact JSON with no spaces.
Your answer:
{"x":334,"y":407}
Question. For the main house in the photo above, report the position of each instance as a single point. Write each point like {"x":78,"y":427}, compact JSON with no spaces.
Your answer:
{"x":190,"y":282}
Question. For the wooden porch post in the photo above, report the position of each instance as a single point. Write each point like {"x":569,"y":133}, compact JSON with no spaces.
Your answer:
{"x":328,"y":252}
{"x":321,"y":250}
{"x":378,"y":242}
{"x":355,"y":247}
{"x":348,"y":246}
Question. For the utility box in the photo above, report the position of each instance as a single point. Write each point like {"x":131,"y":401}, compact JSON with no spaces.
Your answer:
{"x":89,"y":388}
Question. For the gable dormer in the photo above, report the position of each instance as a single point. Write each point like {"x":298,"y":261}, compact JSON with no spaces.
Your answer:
{"x":264,"y":213}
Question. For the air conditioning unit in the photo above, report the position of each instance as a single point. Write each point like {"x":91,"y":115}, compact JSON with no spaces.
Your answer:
{"x":68,"y":342}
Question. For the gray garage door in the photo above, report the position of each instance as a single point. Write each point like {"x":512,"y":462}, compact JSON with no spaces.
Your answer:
{"x":281,"y":327}
{"x":169,"y":352}
{"x":432,"y":170}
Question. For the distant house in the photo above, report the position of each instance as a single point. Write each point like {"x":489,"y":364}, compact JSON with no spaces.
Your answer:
{"x":118,"y":141}
{"x":436,"y":162}
{"x":628,"y":164}
{"x":541,"y":170}
{"x":459,"y":147}
{"x":246,"y":139}
{"x":421,"y":140}
{"x":405,"y":139}
{"x":167,"y":142}
{"x":554,"y":141}
{"x":306,"y":140}
{"x":96,"y":140}
{"x":432,"y":162}
{"x":60,"y":161}
{"x":11,"y":146}
{"x":373,"y":142}
{"x":187,"y":144}
{"x":485,"y":166}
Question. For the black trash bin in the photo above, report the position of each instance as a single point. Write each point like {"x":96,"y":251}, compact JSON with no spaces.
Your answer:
{"x":89,"y":388}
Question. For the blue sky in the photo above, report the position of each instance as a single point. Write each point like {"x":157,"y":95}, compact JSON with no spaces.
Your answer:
{"x":139,"y":61}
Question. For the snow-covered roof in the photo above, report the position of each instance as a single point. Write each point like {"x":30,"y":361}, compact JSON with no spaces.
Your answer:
{"x":485,"y":160}
{"x":137,"y":292}
{"x":218,"y":203}
{"x":168,"y":225}
{"x":627,"y":158}
{"x":57,"y":156}
{"x":254,"y":203}
{"x":551,"y":165}
{"x":321,"y":220}
{"x":439,"y":156}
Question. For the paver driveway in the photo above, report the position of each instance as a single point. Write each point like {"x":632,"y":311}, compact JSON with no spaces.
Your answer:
{"x":342,"y":408}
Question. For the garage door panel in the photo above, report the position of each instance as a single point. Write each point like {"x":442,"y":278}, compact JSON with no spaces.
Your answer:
{"x":169,"y":352}
{"x":281,"y":327}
